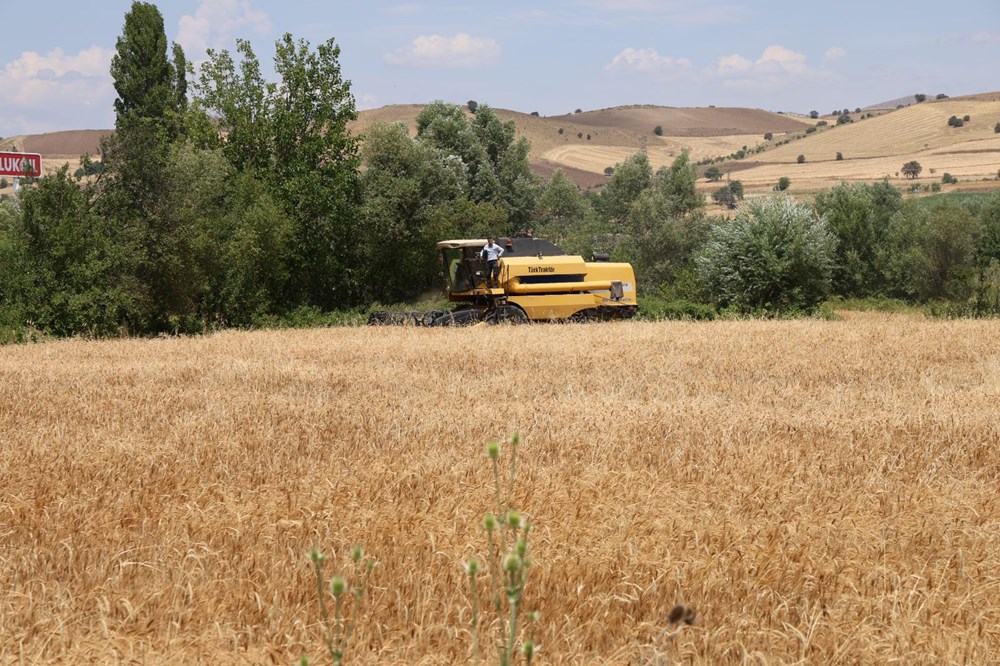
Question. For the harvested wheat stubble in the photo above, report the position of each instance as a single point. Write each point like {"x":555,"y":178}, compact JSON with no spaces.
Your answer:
{"x":821,"y":492}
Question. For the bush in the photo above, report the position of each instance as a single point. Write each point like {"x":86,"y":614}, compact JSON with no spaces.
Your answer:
{"x":941,"y":96}
{"x":658,"y":130}
{"x":561,"y":130}
{"x":840,"y":156}
{"x":783,"y":184}
{"x":768,"y":136}
{"x":810,"y":130}
{"x":935,"y":187}
{"x":955,"y":121}
{"x":534,"y":113}
{"x":713,"y":173}
{"x":966,"y":118}
{"x":473,"y":105}
{"x":656,"y":308}
{"x":920,"y":97}
{"x":996,"y":128}
{"x":579,"y":135}
{"x":844,"y":119}
{"x":800,"y":159}
{"x":3,"y":181}
{"x":776,"y":255}
{"x":822,"y":123}
{"x":814,"y":114}
{"x":578,"y":111}
{"x":949,"y":179}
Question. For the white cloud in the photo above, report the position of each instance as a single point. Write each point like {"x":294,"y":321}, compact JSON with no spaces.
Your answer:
{"x":216,"y":24}
{"x":647,"y":60}
{"x":835,"y":53}
{"x":462,"y":50}
{"x":776,"y":68}
{"x":984,"y":37}
{"x":37,"y":86}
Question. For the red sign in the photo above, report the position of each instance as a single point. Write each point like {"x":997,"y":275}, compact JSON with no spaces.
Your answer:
{"x":20,"y":164}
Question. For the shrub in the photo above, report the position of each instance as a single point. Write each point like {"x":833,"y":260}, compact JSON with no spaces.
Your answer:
{"x":996,"y":128}
{"x":941,"y":96}
{"x":955,"y":121}
{"x":588,"y":137}
{"x":3,"y":181}
{"x":948,"y":179}
{"x":814,"y":114}
{"x":578,"y":111}
{"x":473,"y":105}
{"x":783,"y":184}
{"x":561,"y":130}
{"x":935,"y":187}
{"x":713,"y":173}
{"x":822,"y":123}
{"x":609,"y":171}
{"x":966,"y":118}
{"x":844,"y":118}
{"x":840,"y":156}
{"x":920,"y":97}
{"x":658,"y":130}
{"x":810,"y":130}
{"x":776,"y":255}
{"x":768,"y":136}
{"x":800,"y":159}
{"x":534,"y":113}
{"x":579,"y":135}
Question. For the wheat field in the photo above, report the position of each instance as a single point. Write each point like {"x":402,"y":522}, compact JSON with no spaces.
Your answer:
{"x":819,"y":491}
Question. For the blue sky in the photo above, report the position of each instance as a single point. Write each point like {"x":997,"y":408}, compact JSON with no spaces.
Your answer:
{"x":551,"y":57}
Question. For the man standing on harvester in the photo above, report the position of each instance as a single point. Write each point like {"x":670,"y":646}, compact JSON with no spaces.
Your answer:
{"x":492,"y":252}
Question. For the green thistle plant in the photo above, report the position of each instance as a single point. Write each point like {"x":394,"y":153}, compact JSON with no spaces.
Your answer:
{"x":507,"y":562}
{"x":337,"y":633}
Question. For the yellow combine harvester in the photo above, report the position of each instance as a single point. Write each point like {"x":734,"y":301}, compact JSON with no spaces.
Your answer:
{"x":538,"y":282}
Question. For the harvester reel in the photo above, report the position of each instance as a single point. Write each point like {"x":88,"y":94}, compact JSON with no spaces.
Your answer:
{"x":506,"y":314}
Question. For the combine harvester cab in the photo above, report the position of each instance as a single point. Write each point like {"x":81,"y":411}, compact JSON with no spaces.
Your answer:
{"x":538,"y":282}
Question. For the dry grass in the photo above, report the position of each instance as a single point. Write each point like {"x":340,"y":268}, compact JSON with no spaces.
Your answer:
{"x":821,"y":492}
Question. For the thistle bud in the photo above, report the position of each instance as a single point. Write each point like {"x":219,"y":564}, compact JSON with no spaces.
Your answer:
{"x":357,"y":553}
{"x":522,"y":548}
{"x":338,"y":585}
{"x":516,"y":439}
{"x":512,"y":562}
{"x":493,"y":450}
{"x":528,"y":648}
{"x":514,"y":519}
{"x":316,"y":556}
{"x":471,"y":567}
{"x":489,"y":522}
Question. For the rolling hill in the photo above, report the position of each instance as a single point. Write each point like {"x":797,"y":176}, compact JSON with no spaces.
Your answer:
{"x":585,"y":144}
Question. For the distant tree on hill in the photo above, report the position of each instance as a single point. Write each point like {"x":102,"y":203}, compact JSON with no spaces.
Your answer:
{"x":473,"y":105}
{"x":920,"y":97}
{"x":822,"y":123}
{"x":658,"y":130}
{"x":609,"y":171}
{"x":948,"y":179}
{"x":800,"y":159}
{"x":996,"y":128}
{"x":561,"y":130}
{"x":844,"y":118}
{"x":578,"y":111}
{"x":713,"y":174}
{"x":941,"y":96}
{"x":534,"y":113}
{"x":783,"y":184}
{"x":840,"y":156}
{"x":768,"y":136}
{"x":912,"y":169}
{"x":966,"y":118}
{"x":857,"y":110}
{"x":955,"y":121}
{"x":814,"y":114}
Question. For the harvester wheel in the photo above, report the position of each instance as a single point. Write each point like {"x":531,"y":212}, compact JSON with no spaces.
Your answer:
{"x":506,"y":314}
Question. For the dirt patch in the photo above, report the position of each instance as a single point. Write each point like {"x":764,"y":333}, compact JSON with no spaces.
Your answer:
{"x":70,"y":143}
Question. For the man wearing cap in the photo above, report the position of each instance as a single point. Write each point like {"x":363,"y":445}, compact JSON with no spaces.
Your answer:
{"x":492,"y":252}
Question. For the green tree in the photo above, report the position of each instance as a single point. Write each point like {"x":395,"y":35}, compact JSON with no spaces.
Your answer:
{"x":920,"y":97}
{"x":566,"y":217}
{"x":912,"y":169}
{"x":932,"y":251}
{"x":658,"y":130}
{"x":858,"y":216}
{"x":293,"y":135}
{"x":800,"y":159}
{"x":776,"y":255}
{"x":814,"y":114}
{"x":713,"y":174}
{"x":630,"y":178}
{"x":403,"y":184}
{"x":783,"y":184}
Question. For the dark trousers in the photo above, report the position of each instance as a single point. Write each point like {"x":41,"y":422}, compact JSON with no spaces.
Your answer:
{"x":492,"y":273}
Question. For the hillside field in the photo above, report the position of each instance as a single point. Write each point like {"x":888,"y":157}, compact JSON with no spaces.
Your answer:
{"x":819,"y":491}
{"x":585,"y":144}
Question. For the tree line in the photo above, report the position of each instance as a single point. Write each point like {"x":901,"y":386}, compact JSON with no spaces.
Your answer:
{"x":230,"y":200}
